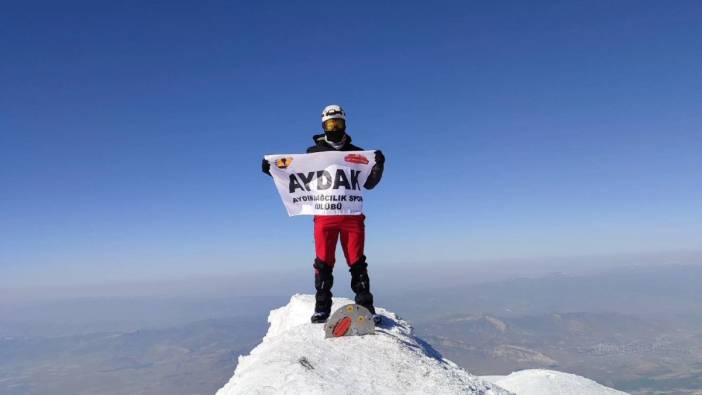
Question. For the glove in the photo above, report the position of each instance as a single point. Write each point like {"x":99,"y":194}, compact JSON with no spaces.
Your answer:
{"x":376,"y":172}
{"x":266,"y":167}
{"x":379,"y":157}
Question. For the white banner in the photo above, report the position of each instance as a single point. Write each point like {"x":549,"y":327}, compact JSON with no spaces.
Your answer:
{"x":322,"y":183}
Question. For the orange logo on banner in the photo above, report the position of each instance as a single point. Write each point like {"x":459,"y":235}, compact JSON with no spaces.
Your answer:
{"x":284,"y":163}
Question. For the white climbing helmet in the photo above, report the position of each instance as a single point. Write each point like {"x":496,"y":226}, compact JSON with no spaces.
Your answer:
{"x":333,"y":111}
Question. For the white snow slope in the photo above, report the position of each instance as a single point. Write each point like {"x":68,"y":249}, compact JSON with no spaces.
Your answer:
{"x":295,"y":358}
{"x":549,"y":382}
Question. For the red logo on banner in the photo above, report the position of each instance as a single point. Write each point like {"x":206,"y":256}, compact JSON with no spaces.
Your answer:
{"x":356,"y":158}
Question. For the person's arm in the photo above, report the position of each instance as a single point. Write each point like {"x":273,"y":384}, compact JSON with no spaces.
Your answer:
{"x":376,"y":172}
{"x":266,"y":167}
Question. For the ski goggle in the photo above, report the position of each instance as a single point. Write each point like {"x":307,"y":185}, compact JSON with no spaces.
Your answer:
{"x":333,"y":124}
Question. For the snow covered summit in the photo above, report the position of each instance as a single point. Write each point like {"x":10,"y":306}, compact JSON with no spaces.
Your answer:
{"x":550,"y":382}
{"x":295,"y":358}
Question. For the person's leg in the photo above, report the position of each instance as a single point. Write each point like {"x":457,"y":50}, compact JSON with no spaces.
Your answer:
{"x":352,"y":241}
{"x":326,"y":235}
{"x":353,"y":236}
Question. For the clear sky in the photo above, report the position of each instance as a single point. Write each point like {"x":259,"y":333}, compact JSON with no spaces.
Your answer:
{"x":131,"y":132}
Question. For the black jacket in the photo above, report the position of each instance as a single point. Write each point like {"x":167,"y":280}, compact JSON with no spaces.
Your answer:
{"x":321,"y":145}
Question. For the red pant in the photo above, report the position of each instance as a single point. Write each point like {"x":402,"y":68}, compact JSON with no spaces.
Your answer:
{"x":327,"y":229}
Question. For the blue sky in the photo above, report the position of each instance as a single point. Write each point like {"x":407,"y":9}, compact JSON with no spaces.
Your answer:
{"x":131,"y":134}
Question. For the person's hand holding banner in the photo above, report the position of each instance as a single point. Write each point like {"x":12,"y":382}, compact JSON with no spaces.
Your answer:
{"x":323,"y":183}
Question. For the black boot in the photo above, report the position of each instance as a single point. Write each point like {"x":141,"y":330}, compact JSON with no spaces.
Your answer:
{"x":360,"y":284}
{"x":323,"y":281}
{"x":319,"y":317}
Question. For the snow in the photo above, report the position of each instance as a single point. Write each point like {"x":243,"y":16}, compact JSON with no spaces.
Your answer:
{"x":295,"y":358}
{"x":549,"y":382}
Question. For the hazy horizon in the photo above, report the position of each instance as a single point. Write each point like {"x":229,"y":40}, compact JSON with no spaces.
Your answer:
{"x":412,"y":274}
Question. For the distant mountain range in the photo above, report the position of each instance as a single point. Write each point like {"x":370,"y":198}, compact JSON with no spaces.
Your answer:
{"x":637,"y":329}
